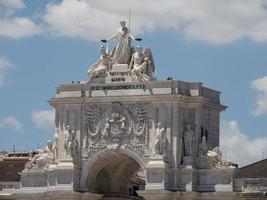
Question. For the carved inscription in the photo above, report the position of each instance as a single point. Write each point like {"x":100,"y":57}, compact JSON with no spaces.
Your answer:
{"x":118,"y":87}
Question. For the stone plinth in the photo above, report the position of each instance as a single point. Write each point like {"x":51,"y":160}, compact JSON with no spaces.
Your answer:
{"x":120,"y":67}
{"x":155,"y":173}
{"x":34,"y":178}
{"x":187,"y":161}
{"x":64,"y":172}
{"x":214,"y":180}
{"x":56,"y":174}
{"x":185,"y":179}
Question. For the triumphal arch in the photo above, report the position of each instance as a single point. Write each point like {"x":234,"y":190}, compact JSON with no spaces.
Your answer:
{"x":124,"y":132}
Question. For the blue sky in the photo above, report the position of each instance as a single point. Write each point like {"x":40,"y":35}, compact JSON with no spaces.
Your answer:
{"x":222,"y":44}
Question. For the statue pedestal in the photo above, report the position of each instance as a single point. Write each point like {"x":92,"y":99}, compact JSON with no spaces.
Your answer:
{"x":119,"y":73}
{"x":34,"y":178}
{"x":185,"y":179}
{"x":187,"y":161}
{"x":56,"y":174}
{"x":215,"y":180}
{"x":64,"y":172}
{"x":120,"y":67}
{"x":155,"y":173}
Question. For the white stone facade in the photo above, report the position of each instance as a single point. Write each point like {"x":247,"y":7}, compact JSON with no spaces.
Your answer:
{"x":123,"y":127}
{"x":123,"y":123}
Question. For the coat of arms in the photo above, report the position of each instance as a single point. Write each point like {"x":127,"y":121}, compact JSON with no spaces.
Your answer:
{"x":116,"y":125}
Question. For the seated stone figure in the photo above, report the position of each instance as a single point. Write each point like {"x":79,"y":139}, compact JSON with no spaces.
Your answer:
{"x":211,"y":158}
{"x":142,"y":65}
{"x":101,"y":66}
{"x":149,"y":68}
{"x":44,"y":158}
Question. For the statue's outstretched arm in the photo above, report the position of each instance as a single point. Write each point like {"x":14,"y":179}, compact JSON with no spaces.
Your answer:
{"x":113,"y":37}
{"x":131,"y":36}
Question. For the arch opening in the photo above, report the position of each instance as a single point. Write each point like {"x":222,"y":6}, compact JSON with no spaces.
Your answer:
{"x":115,"y":173}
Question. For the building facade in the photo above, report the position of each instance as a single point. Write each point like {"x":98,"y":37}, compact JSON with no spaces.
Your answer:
{"x":123,"y":131}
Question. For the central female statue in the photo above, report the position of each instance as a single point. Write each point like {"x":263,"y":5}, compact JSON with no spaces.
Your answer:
{"x":122,"y":52}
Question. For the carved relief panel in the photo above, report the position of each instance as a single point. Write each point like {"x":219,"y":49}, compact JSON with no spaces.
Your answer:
{"x":116,"y":126}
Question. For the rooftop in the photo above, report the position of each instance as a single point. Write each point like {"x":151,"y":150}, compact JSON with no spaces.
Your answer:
{"x":254,"y":170}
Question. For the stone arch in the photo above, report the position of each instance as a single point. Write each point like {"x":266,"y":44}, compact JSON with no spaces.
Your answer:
{"x":110,"y":171}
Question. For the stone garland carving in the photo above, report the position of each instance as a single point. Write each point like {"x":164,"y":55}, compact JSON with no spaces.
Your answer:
{"x":43,"y":158}
{"x":140,"y":149}
{"x":117,"y":127}
{"x":147,"y":133}
{"x":140,"y":120}
{"x":94,"y":149}
{"x":93,"y":116}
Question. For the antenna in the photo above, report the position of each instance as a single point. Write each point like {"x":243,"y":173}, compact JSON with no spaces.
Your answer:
{"x":130,"y":10}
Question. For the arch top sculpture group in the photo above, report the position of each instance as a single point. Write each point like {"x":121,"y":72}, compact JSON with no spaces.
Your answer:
{"x":133,"y":61}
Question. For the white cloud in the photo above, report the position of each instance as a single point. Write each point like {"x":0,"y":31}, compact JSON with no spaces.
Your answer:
{"x":260,"y":85}
{"x":4,"y":65}
{"x":12,"y":4}
{"x":11,"y":123}
{"x":238,"y":146}
{"x":16,"y":27}
{"x":79,"y":19}
{"x":8,"y":7}
{"x":43,"y":119}
{"x":213,"y":21}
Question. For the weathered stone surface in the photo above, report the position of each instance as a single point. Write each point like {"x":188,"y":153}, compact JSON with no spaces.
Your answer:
{"x":123,"y":125}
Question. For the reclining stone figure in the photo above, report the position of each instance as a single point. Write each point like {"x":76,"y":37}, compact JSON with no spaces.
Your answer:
{"x":211,"y":158}
{"x":44,"y":158}
{"x":100,"y":68}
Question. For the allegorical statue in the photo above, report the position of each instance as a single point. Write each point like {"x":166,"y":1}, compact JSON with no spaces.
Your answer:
{"x":122,"y":51}
{"x":43,"y":158}
{"x":142,"y":64}
{"x":131,"y":61}
{"x":211,"y":158}
{"x":102,"y":65}
{"x":203,"y":146}
{"x":160,"y":142}
{"x":149,"y":67}
{"x":69,"y":138}
{"x":137,"y":60}
{"x":188,"y":138}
